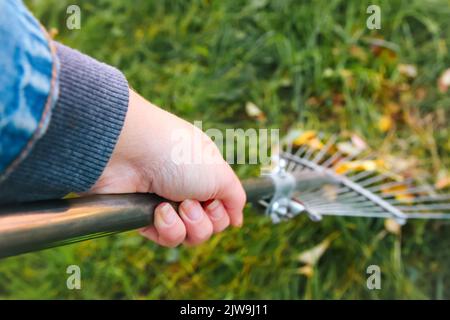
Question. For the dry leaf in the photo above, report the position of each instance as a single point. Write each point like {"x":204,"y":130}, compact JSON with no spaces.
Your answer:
{"x":407,"y":70}
{"x":358,"y":53}
{"x":53,"y":32}
{"x":306,"y":270}
{"x":443,"y":180}
{"x":348,"y":148}
{"x":392,"y":226}
{"x":444,"y":81}
{"x":254,"y":112}
{"x":401,"y":193}
{"x":311,"y":257}
{"x":315,"y":144}
{"x":385,"y":123}
{"x":304,"y":137}
{"x":360,"y":165}
{"x":359,"y":142}
{"x":392,"y":108}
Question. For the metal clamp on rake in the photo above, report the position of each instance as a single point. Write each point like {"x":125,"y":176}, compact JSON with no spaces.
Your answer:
{"x":282,"y":206}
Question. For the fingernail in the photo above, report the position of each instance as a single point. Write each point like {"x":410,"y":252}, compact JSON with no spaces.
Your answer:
{"x":216,"y":214}
{"x":168,"y":214}
{"x":191,"y":210}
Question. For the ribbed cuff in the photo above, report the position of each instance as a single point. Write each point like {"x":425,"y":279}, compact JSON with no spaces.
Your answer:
{"x":83,"y":131}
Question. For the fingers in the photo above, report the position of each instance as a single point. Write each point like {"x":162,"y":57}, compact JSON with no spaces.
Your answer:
{"x":233,"y":198}
{"x":199,"y":227}
{"x":168,"y":229}
{"x":193,"y":225}
{"x":218,"y":215}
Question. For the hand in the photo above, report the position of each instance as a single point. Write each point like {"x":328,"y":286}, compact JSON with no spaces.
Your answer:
{"x":143,"y":161}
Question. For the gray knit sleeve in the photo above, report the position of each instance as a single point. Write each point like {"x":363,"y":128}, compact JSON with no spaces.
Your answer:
{"x":84,"y":127}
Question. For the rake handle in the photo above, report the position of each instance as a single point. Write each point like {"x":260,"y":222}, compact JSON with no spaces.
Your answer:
{"x":43,"y":224}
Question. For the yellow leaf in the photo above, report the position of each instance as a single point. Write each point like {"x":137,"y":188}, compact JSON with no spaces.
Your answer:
{"x":385,"y":123}
{"x":392,"y":226}
{"x":392,"y":107}
{"x":397,"y":188}
{"x":402,"y":194}
{"x":407,"y":70}
{"x":53,"y":33}
{"x":304,"y":137}
{"x":311,"y":257}
{"x":315,"y":143}
{"x":254,"y":112}
{"x":306,"y":270}
{"x":360,"y":165}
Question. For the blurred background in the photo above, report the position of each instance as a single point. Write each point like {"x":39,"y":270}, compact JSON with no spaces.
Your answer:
{"x":310,"y":65}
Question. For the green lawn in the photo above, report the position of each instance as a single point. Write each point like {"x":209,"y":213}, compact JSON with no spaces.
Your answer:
{"x":306,"y":64}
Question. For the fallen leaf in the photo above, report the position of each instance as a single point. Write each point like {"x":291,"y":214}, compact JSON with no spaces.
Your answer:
{"x":311,"y":257}
{"x":315,"y":144}
{"x":359,"y":142}
{"x":400,"y":193}
{"x":360,"y":165}
{"x":392,"y":108}
{"x":443,"y":180}
{"x":348,"y":148}
{"x":306,"y":270}
{"x":392,"y":226}
{"x":53,"y":32}
{"x":358,"y":53}
{"x":444,"y":81}
{"x":254,"y":112}
{"x":304,"y":137}
{"x":407,"y":70}
{"x":385,"y":123}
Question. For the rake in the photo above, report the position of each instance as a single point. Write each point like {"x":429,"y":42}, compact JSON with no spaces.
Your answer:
{"x":306,"y":179}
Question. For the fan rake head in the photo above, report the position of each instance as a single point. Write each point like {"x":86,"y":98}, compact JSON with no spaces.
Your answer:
{"x":350,"y":185}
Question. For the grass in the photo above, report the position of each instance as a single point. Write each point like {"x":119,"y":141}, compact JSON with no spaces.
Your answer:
{"x":304,"y":64}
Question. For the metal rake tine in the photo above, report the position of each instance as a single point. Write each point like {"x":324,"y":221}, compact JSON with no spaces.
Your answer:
{"x":299,"y":152}
{"x":363,"y":174}
{"x":411,"y":191}
{"x":331,"y":159}
{"x":423,"y":199}
{"x":325,"y":149}
{"x":429,"y":207}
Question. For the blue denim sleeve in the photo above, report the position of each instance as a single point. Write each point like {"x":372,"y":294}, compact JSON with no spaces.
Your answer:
{"x":61,"y":112}
{"x":28,"y":87}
